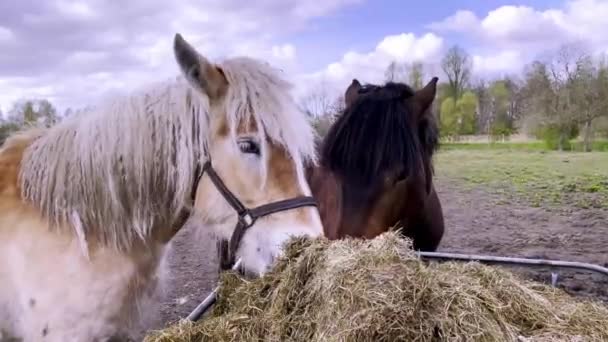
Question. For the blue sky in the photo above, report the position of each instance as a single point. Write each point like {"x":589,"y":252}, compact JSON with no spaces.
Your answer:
{"x":76,"y":52}
{"x":362,"y":26}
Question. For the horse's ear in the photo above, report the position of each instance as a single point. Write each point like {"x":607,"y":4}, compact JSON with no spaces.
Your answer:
{"x":352,"y":92}
{"x":198,"y":70}
{"x":424,"y":97}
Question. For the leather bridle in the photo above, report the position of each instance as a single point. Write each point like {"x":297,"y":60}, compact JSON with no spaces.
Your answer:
{"x":246,"y":216}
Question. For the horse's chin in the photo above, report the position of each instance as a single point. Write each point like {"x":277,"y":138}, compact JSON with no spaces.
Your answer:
{"x":250,"y":275}
{"x":250,"y":266}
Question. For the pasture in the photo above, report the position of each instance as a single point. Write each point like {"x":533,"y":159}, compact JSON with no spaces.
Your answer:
{"x":533,"y":204}
{"x":538,"y":177}
{"x":507,"y":202}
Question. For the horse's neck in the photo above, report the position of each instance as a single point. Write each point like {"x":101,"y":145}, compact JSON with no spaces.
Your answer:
{"x":11,"y":155}
{"x":327,"y":190}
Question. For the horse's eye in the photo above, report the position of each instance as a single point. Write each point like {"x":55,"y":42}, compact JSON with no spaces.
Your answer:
{"x":400,"y":176}
{"x":249,"y":146}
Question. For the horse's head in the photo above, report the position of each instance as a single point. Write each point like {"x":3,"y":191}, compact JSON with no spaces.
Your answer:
{"x":381,"y":151}
{"x":258,"y":142}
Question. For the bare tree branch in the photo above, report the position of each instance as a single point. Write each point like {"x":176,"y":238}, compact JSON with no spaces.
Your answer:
{"x":456,"y":64}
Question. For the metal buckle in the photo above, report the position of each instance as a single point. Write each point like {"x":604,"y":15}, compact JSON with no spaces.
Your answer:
{"x":246,"y":219}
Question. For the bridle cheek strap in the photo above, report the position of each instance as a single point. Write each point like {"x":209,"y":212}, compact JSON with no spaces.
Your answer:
{"x":247,"y":217}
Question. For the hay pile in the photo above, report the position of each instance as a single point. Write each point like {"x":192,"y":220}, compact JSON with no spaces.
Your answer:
{"x":377,"y":290}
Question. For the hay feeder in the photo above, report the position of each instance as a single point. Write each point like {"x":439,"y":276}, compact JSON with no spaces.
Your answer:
{"x":381,"y":290}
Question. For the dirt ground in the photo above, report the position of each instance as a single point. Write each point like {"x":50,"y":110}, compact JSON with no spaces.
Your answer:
{"x":476,"y":222}
{"x":480,"y":223}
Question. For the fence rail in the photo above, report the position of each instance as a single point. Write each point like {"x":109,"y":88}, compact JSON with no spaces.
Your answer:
{"x":514,"y":261}
{"x":209,"y":300}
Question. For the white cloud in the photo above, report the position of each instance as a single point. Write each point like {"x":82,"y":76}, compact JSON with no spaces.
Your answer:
{"x":74,"y":52}
{"x":461,"y":21}
{"x":523,"y":25}
{"x":510,"y":36}
{"x":76,"y":10}
{"x":12,"y":89}
{"x":285,"y":51}
{"x":5,"y":34}
{"x":517,"y":25}
{"x":501,"y":42}
{"x":311,"y":9}
{"x":496,"y":64}
{"x":370,"y":66}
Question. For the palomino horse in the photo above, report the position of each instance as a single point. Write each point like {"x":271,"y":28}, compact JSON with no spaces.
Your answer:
{"x":375,"y":169}
{"x":88,"y":207}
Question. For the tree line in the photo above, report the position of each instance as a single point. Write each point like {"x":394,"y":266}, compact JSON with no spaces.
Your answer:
{"x":27,"y":113}
{"x":556,"y":98}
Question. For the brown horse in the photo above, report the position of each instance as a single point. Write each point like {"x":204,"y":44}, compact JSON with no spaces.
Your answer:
{"x":375,"y":169}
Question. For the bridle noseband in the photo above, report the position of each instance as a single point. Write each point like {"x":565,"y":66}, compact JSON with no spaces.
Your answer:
{"x":246,"y":216}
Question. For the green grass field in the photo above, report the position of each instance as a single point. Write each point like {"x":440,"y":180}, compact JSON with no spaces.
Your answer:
{"x":539,"y":177}
{"x":598,"y":146}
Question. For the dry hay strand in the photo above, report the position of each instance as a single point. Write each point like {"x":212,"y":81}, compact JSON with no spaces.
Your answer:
{"x":379,"y":290}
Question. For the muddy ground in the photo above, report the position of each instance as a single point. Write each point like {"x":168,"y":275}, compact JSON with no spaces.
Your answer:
{"x":476,"y":222}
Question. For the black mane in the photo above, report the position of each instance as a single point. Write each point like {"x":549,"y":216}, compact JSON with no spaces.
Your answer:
{"x":375,"y":135}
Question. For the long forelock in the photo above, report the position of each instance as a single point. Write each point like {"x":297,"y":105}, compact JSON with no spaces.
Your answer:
{"x":257,"y":92}
{"x":374,"y":135}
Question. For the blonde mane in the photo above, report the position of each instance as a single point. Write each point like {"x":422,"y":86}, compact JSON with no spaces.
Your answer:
{"x":125,"y":168}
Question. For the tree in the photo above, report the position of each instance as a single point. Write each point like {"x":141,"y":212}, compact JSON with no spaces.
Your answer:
{"x":601,"y":126}
{"x":484,"y":103}
{"x":554,"y":91}
{"x":323,"y":122}
{"x":411,"y":74}
{"x":68,"y":112}
{"x":516,"y":108}
{"x":6,"y":128}
{"x":499,"y":122}
{"x":456,"y":64}
{"x":415,"y":74}
{"x":458,"y":116}
{"x":317,"y":102}
{"x":33,"y":112}
{"x":47,"y":112}
{"x":322,"y":108}
{"x":590,"y":92}
{"x":569,"y":70}
{"x":449,"y":117}
{"x":505,"y":107}
{"x":27,"y":113}
{"x":393,"y":72}
{"x":467,"y":106}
